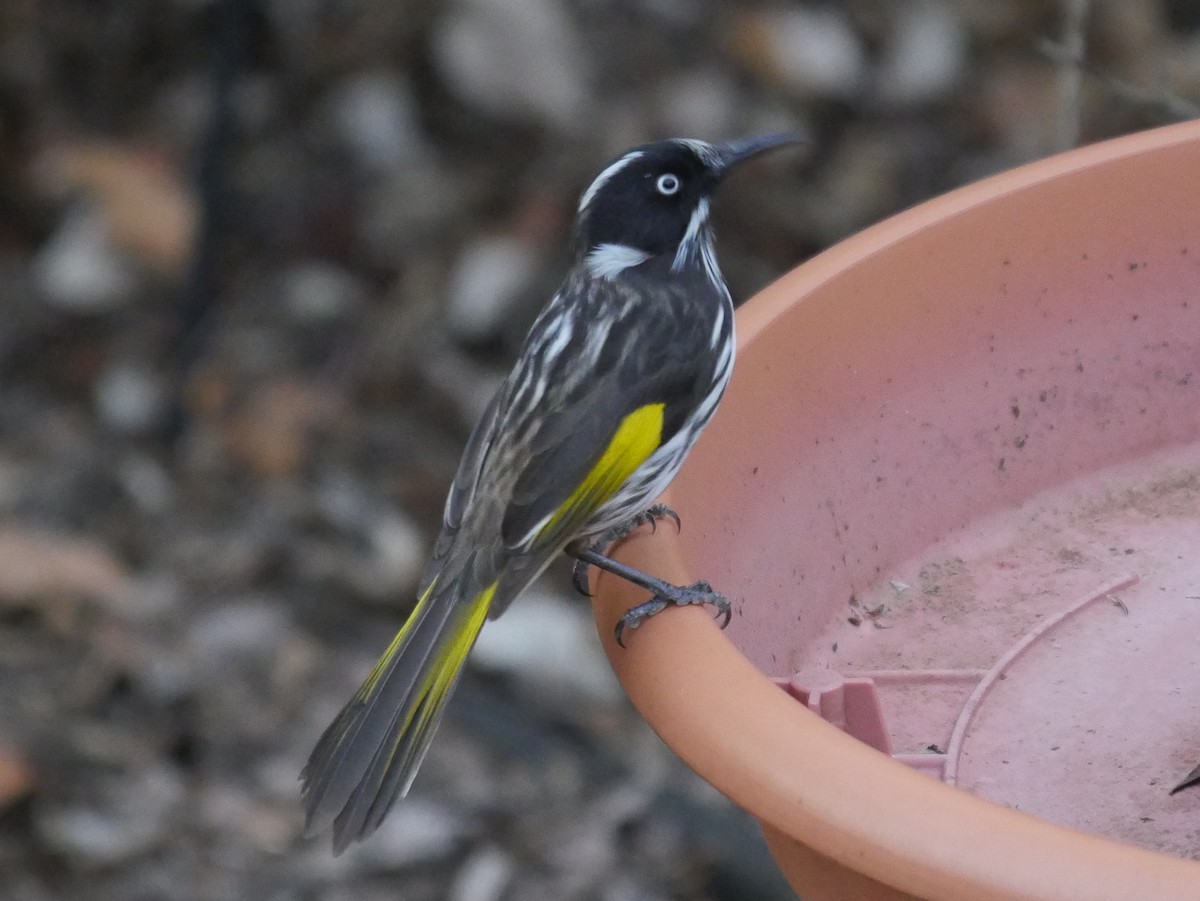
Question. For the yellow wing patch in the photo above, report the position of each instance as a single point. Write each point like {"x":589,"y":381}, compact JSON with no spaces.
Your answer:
{"x":636,"y":438}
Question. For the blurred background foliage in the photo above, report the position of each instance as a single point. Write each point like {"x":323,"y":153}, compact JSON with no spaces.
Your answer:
{"x":262,"y":263}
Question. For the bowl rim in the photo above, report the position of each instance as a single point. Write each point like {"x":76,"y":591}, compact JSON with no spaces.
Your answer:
{"x":745,"y":736}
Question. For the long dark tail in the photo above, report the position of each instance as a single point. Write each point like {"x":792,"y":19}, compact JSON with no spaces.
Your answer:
{"x":368,"y":756}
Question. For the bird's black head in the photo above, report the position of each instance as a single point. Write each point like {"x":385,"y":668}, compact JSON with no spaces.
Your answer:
{"x":654,"y":199}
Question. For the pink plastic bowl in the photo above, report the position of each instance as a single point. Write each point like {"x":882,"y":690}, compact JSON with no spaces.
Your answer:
{"x":954,"y":496}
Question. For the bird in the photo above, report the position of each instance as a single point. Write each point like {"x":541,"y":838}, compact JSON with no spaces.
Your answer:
{"x":617,"y":377}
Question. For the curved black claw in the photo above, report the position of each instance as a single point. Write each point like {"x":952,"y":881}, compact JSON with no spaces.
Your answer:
{"x":579,"y":578}
{"x":652,"y":515}
{"x":673,"y":595}
{"x":637,"y":615}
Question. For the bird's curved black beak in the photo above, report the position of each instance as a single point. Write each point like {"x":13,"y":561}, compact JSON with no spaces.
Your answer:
{"x":734,"y":152}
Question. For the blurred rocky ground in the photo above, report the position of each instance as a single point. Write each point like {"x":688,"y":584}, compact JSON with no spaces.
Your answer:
{"x":262,"y":262}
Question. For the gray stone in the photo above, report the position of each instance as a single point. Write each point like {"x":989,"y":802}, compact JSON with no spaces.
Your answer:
{"x":490,"y":274}
{"x":703,"y":103}
{"x":78,"y":269}
{"x":374,"y":116}
{"x":483,"y":877}
{"x":416,"y":831}
{"x":319,"y":291}
{"x":550,"y":643}
{"x":130,"y":398}
{"x":815,"y":51}
{"x":925,"y":57}
{"x":131,"y":817}
{"x":514,"y":59}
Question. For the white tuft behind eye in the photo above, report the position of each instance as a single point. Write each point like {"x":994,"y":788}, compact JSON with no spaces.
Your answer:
{"x":667,"y":184}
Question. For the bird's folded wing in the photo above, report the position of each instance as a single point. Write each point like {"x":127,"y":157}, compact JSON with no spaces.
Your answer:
{"x":581,"y":464}
{"x":590,"y":430}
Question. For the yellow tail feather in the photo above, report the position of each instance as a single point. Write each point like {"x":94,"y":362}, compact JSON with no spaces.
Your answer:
{"x":370,"y":753}
{"x":382,"y":664}
{"x":444,"y":669}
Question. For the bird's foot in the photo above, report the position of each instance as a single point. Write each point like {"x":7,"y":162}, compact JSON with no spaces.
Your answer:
{"x":674,"y":596}
{"x":649,"y":516}
{"x":663,"y":594}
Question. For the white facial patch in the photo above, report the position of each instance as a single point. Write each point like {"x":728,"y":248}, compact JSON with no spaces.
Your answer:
{"x":609,"y":171}
{"x":697,"y":247}
{"x":610,"y":260}
{"x":694,"y":238}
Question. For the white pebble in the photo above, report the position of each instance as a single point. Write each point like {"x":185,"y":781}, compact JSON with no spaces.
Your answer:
{"x":415,"y":831}
{"x":130,"y":398}
{"x":513,"y":59}
{"x":700,"y":102}
{"x":488,"y":276}
{"x":816,"y":51}
{"x":484,"y":876}
{"x":147,"y":482}
{"x":317,"y":291}
{"x":130,"y":818}
{"x":79,"y":269}
{"x":374,"y":114}
{"x":551,"y":643}
{"x":926,"y":55}
{"x":399,"y":551}
{"x":238,"y":631}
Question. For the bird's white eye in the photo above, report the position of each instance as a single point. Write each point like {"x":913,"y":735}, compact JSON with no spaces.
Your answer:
{"x":667,"y":184}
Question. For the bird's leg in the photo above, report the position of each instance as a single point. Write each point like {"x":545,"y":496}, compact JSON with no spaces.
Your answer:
{"x":664,"y":593}
{"x":649,"y":516}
